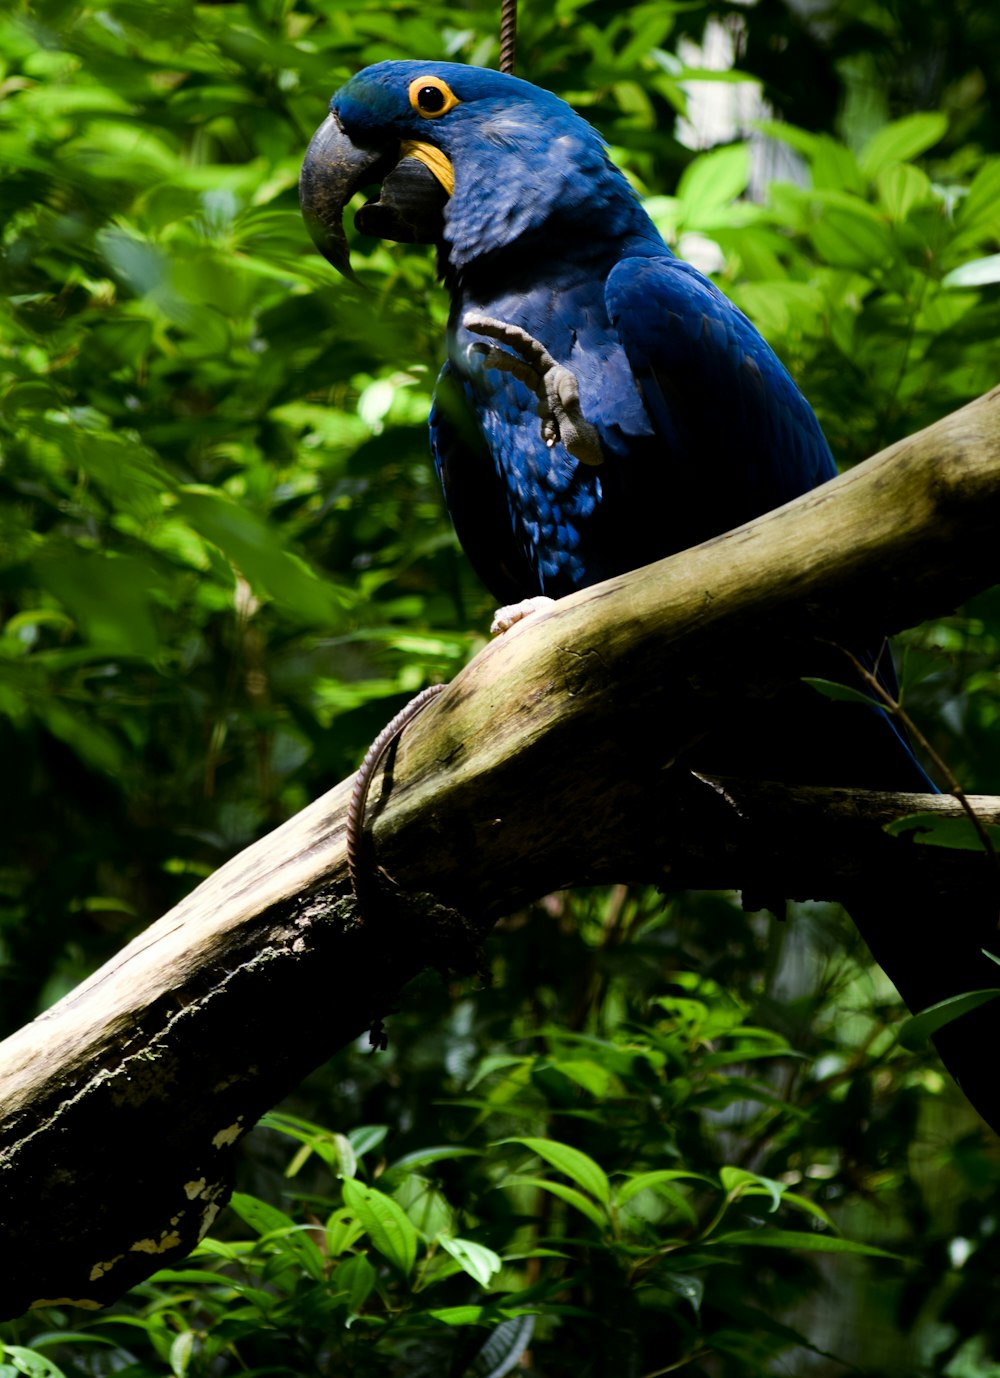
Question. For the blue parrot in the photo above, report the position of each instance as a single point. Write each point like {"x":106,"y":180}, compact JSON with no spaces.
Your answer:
{"x":604,"y":405}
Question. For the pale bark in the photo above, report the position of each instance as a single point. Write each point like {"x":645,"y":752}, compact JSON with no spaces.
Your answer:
{"x":560,"y":756}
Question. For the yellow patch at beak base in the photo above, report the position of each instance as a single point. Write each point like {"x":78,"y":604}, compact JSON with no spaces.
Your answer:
{"x":433,"y":158}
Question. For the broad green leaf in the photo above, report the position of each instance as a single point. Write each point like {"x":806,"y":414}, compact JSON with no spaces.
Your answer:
{"x":578,"y":1166}
{"x":902,"y":140}
{"x":260,"y":1215}
{"x":475,"y":1259}
{"x":279,"y":1232}
{"x":426,"y":1206}
{"x":710,"y":181}
{"x":917,"y":1030}
{"x":901,"y":187}
{"x":386,"y":1223}
{"x":852,"y":236}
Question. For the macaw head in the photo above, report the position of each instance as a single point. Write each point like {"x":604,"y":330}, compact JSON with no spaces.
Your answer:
{"x":466,"y":158}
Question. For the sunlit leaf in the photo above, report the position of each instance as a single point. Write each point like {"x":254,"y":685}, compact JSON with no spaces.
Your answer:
{"x":902,"y":140}
{"x":576,"y":1165}
{"x":475,"y":1259}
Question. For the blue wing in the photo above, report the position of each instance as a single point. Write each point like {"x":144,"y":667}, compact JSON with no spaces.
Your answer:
{"x":744,"y":440}
{"x":738,"y":432}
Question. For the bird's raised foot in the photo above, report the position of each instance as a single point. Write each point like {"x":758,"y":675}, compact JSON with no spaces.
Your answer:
{"x":506,"y":617}
{"x":554,"y":385}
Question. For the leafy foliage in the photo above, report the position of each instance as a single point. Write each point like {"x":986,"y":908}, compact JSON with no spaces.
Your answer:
{"x":671,"y":1135}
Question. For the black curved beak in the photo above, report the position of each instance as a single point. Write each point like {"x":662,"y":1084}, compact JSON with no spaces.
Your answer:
{"x":333,"y":170}
{"x":409,"y":208}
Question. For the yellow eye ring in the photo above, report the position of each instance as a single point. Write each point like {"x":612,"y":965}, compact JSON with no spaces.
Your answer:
{"x":431,"y":97}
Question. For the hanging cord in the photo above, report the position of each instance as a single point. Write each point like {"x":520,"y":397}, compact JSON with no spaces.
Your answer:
{"x":508,"y":35}
{"x":361,"y":877}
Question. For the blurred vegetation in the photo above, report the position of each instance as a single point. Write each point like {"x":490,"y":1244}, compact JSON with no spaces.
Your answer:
{"x":671,"y":1136}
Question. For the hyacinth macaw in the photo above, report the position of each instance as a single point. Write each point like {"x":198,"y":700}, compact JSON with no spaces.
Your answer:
{"x":604,"y":405}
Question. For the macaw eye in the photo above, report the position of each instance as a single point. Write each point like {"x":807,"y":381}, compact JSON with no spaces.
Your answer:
{"x":430,"y":97}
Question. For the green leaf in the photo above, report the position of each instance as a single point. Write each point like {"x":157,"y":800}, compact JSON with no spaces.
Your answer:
{"x":280,"y":1232}
{"x":475,"y":1259}
{"x":843,"y":693}
{"x":798,"y":1239}
{"x":110,"y":598}
{"x":460,"y":1315}
{"x":579,"y":1167}
{"x":686,"y":1285}
{"x":802,"y":1203}
{"x":902,"y":140}
{"x":976,"y":273}
{"x":570,"y":1195}
{"x":712,"y":180}
{"x":979,"y":211}
{"x":180,"y":1353}
{"x":254,"y":550}
{"x":366,"y":1137}
{"x":915,"y":1032}
{"x":590,"y":1075}
{"x":423,"y":1157}
{"x":848,"y":233}
{"x":356,"y":1277}
{"x":739,"y":1182}
{"x":347,"y":1162}
{"x":343,"y":1229}
{"x":29,"y":1362}
{"x":644,"y":1180}
{"x":901,"y":187}
{"x":386,"y":1223}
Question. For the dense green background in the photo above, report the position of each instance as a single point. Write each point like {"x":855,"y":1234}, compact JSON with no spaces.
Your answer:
{"x":224,"y":564}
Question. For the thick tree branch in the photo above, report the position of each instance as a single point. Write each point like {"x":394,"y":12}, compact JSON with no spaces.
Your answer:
{"x":560,"y":756}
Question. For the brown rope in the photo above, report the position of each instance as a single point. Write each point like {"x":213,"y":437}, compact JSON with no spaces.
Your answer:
{"x":361,"y":879}
{"x":508,"y":35}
